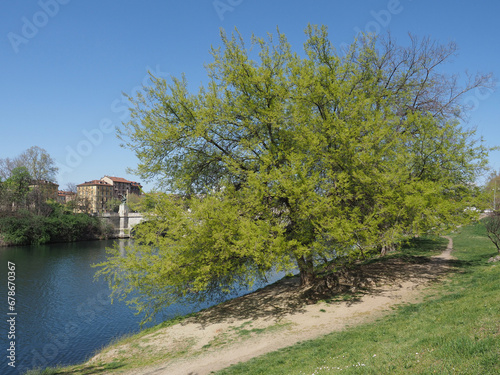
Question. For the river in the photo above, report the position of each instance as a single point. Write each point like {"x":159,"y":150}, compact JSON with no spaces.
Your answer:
{"x":63,"y":316}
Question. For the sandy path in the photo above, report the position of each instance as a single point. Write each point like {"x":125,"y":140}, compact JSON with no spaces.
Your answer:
{"x":276,"y":317}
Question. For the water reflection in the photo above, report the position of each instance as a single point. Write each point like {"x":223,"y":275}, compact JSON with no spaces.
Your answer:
{"x":122,"y":248}
{"x":63,"y":315}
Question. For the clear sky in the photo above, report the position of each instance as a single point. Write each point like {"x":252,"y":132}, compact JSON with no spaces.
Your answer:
{"x":66,"y":63}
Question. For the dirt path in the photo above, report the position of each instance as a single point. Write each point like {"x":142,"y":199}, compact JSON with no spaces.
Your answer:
{"x":276,"y":316}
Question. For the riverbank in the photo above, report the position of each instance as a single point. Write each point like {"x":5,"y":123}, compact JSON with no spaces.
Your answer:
{"x":398,"y":320}
{"x":23,"y":228}
{"x":276,"y":316}
{"x":281,"y":315}
{"x":96,"y":238}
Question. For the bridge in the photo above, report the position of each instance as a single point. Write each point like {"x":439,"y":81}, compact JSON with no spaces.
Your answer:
{"x":123,"y":221}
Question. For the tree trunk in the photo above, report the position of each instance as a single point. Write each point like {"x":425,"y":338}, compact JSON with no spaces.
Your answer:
{"x":306,"y":268}
{"x":387,"y":249}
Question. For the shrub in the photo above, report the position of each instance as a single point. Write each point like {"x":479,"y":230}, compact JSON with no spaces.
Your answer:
{"x":26,"y":228}
{"x":492,"y":224}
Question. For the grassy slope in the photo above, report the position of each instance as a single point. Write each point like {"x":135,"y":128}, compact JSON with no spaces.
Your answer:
{"x":455,"y":331}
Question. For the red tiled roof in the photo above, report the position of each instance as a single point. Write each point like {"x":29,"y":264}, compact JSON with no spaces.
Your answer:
{"x":94,"y":182}
{"x":118,"y":179}
{"x":62,"y":193}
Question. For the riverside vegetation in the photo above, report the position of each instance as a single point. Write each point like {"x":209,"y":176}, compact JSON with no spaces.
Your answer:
{"x":28,"y":216}
{"x":56,"y":224}
{"x":454,"y":330}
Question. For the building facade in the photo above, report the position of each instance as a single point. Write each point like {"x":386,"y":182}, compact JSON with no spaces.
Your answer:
{"x":122,"y":187}
{"x":93,"y":195}
{"x":47,"y":189}
{"x":64,"y":197}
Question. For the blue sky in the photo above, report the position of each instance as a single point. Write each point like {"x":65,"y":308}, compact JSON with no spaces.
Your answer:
{"x":66,"y":63}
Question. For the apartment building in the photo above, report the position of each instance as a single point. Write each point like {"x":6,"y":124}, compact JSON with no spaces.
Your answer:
{"x":94,"y":195}
{"x":122,"y":187}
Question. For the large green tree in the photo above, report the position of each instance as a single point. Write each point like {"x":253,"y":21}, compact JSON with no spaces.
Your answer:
{"x":491,"y":191}
{"x":288,"y":161}
{"x":16,"y":189}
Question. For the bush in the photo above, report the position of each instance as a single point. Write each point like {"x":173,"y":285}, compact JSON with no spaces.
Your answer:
{"x":26,"y":228}
{"x":15,"y":229}
{"x":492,"y":224}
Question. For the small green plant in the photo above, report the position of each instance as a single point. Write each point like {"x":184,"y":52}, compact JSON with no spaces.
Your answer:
{"x":46,"y":371}
{"x":113,"y":365}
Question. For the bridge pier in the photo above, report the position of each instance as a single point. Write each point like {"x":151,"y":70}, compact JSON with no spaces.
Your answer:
{"x":124,"y":230}
{"x":123,"y":221}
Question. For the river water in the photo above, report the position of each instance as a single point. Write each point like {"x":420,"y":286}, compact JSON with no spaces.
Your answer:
{"x":63,"y":315}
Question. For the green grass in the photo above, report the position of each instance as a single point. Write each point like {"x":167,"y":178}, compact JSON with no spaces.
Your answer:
{"x":454,"y":331}
{"x":47,"y":371}
{"x":417,"y":249}
{"x":244,"y":331}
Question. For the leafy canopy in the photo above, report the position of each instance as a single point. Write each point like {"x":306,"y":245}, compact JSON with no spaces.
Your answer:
{"x":37,"y":162}
{"x":284,"y":161}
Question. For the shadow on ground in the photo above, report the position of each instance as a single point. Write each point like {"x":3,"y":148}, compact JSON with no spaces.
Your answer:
{"x":275,"y":301}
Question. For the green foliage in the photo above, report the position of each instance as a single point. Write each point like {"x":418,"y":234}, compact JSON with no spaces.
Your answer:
{"x":113,"y":205}
{"x":26,"y":228}
{"x":289,"y":161}
{"x":491,"y":192}
{"x":213,"y":247}
{"x":141,"y":203}
{"x":17,"y":186}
